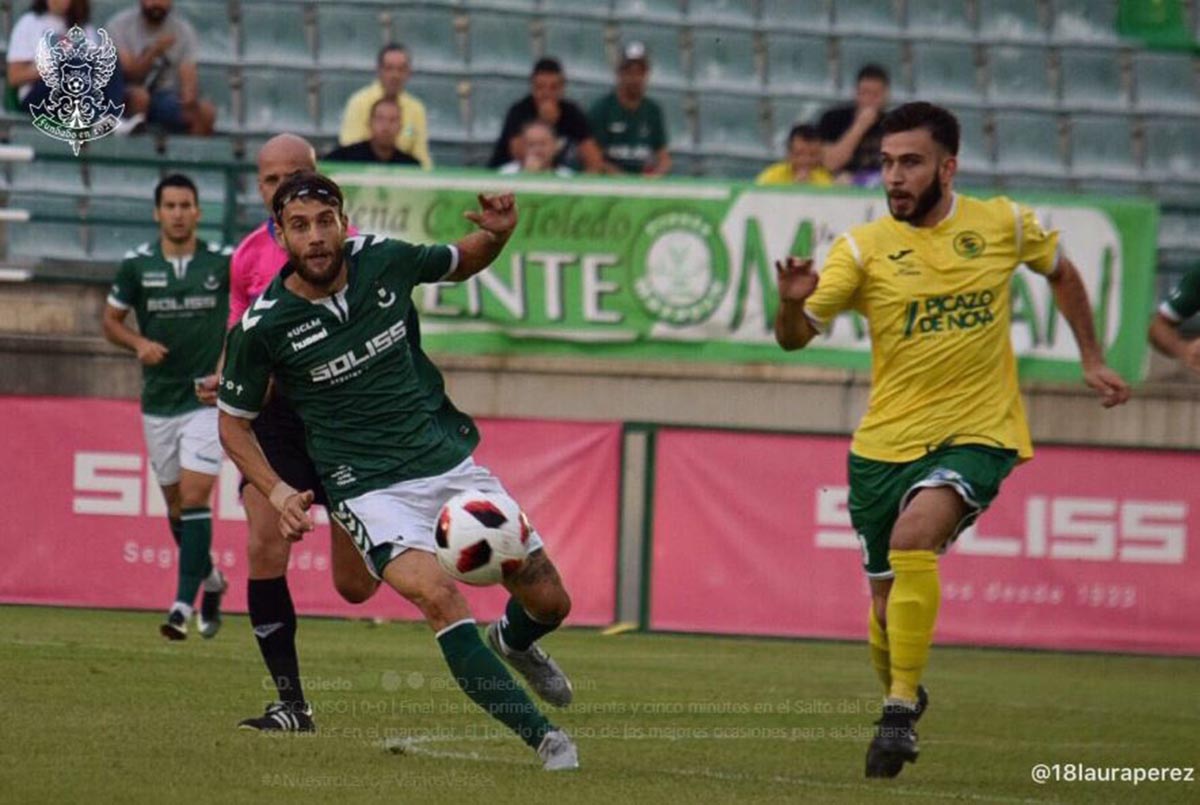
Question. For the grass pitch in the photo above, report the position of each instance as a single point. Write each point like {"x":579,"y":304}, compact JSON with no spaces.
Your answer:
{"x":98,"y":708}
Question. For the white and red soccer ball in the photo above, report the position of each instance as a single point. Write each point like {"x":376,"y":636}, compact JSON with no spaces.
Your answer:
{"x":482,"y":537}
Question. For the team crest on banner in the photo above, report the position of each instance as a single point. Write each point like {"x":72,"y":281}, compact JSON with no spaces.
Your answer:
{"x":76,"y":72}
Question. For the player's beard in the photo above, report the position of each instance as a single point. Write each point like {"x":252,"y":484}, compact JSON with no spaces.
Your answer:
{"x":321,"y":277}
{"x":925,"y":202}
{"x":155,"y":15}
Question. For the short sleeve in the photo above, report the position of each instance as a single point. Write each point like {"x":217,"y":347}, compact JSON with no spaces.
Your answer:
{"x":189,"y":48}
{"x":1184,"y":300}
{"x":239,"y":292}
{"x":355,"y":126}
{"x":23,"y":42}
{"x":125,"y":288}
{"x":246,"y":374}
{"x":839,"y":282}
{"x":433,"y":262}
{"x":658,"y":128}
{"x":598,"y":123}
{"x":120,"y":32}
{"x":1036,"y":247}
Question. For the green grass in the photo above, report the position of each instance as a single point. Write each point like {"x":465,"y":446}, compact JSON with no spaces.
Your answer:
{"x":97,"y":707}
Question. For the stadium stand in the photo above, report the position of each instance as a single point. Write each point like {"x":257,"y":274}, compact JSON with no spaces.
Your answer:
{"x":733,"y":76}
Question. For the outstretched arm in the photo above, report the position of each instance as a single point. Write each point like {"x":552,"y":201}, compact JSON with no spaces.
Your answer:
{"x":496,"y":219}
{"x":1071,"y":297}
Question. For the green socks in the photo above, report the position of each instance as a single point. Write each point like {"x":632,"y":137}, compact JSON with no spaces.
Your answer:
{"x":483,"y":677}
{"x":519,"y":630}
{"x":195,"y":561}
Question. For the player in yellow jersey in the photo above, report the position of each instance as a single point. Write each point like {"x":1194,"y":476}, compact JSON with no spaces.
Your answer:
{"x":945,"y":423}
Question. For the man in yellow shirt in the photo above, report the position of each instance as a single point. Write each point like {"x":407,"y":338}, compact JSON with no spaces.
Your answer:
{"x":393,"y":71}
{"x":945,"y":423}
{"x":804,"y":162}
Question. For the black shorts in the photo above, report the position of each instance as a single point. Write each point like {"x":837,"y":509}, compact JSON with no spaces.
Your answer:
{"x":280,"y":432}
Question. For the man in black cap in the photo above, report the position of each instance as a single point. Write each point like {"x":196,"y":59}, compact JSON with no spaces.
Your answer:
{"x":629,"y":126}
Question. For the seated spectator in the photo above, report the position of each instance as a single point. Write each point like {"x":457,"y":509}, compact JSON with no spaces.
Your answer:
{"x":627,"y":125}
{"x":381,"y":147}
{"x":538,"y":146}
{"x":853,"y":133}
{"x":158,"y":51}
{"x":392,"y":69}
{"x":803,"y":164}
{"x":545,"y":102}
{"x":56,"y":16}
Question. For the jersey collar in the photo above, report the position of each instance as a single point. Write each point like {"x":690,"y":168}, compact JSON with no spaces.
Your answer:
{"x":953,"y":211}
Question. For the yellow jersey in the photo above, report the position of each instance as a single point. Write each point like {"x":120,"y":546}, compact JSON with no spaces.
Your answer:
{"x":781,"y":173}
{"x":414,"y":131}
{"x":937,"y":303}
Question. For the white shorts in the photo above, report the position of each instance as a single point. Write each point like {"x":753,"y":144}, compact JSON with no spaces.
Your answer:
{"x":189,"y":441}
{"x":387,"y":522}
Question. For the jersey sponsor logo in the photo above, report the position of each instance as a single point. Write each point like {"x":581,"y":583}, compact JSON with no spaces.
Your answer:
{"x":899,"y":255}
{"x":154,"y":279}
{"x":311,"y":324}
{"x":969,"y":244}
{"x":261,"y":306}
{"x":309,"y":340}
{"x":188,"y":303}
{"x":939,"y":314}
{"x":338,"y":368}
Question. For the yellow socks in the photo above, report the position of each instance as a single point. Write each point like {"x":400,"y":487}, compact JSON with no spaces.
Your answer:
{"x":911,"y":613}
{"x":877,"y":642}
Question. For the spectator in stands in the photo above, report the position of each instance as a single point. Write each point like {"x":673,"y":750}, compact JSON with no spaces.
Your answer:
{"x":393,"y":68}
{"x":57,"y":16}
{"x":538,"y":145}
{"x":803,"y":165}
{"x":545,"y":102}
{"x":158,"y":51}
{"x":386,"y":122}
{"x":1180,"y":305}
{"x":853,"y":133}
{"x":627,"y":125}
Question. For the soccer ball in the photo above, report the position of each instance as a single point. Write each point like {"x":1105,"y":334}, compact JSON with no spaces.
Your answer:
{"x":481,"y":537}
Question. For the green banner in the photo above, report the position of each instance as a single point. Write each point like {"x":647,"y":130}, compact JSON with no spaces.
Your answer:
{"x":683,"y":270}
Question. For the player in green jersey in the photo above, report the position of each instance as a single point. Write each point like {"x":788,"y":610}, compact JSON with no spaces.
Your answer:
{"x":178,"y":287}
{"x":1180,"y":305}
{"x":388,"y":444}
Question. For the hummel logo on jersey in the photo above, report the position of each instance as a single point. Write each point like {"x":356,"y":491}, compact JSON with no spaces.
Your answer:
{"x":348,"y":361}
{"x":266,"y":630}
{"x":261,"y":306}
{"x":898,"y":255}
{"x":308,"y":341}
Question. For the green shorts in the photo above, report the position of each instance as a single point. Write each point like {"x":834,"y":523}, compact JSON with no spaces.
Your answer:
{"x":879,"y":491}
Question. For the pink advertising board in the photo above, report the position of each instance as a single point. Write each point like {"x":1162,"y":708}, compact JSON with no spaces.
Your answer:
{"x":1085,"y":548}
{"x":85,"y":523}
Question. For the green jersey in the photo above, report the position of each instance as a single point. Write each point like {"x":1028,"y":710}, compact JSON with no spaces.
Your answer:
{"x":628,"y":138}
{"x":182,"y":303}
{"x":1184,"y":300}
{"x":374,"y":407}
